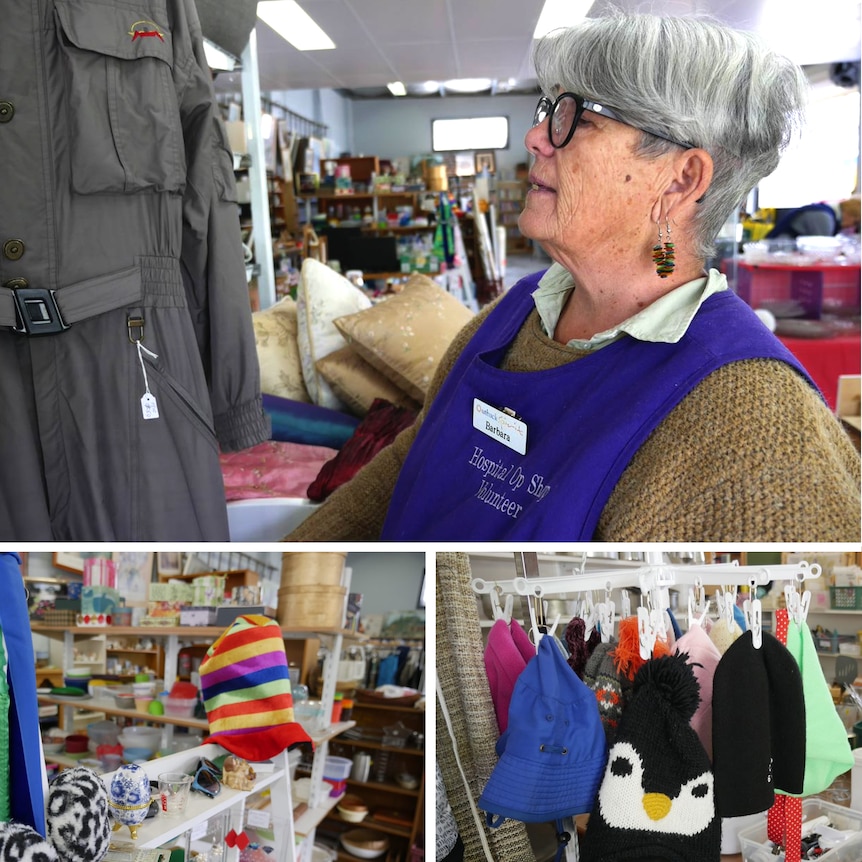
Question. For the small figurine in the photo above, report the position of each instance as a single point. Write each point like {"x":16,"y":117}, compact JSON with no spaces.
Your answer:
{"x":237,"y":773}
{"x":129,"y":797}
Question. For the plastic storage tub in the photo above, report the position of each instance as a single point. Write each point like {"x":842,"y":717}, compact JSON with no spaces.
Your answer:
{"x":180,"y":706}
{"x":756,"y":847}
{"x":335,"y":772}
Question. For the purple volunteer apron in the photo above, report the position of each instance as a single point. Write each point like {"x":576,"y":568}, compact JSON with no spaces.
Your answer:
{"x":582,"y":421}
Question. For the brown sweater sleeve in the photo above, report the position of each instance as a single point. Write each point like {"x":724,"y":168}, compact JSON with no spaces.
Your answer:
{"x":751,"y":454}
{"x":356,"y":511}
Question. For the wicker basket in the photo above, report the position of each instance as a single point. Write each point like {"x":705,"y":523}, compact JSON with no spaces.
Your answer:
{"x":311,"y":606}
{"x":312,"y":569}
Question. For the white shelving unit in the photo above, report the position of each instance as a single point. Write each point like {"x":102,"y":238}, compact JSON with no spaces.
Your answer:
{"x":293,"y":840}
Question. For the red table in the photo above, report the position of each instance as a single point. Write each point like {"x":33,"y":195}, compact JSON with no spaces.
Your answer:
{"x":825,"y":359}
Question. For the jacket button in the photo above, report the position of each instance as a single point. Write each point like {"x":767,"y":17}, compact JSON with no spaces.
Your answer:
{"x":15,"y":283}
{"x":7,"y":111}
{"x":13,"y":249}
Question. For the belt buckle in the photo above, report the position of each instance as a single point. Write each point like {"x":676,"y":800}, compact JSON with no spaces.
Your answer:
{"x":37,"y":312}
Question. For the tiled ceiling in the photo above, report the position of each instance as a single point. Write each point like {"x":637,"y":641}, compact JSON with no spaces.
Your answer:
{"x":378,"y":41}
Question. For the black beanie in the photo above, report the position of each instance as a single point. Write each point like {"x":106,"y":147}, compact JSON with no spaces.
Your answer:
{"x":656,"y":797}
{"x":758,"y":726}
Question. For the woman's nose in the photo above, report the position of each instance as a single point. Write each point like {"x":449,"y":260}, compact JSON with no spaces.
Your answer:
{"x":536,"y":140}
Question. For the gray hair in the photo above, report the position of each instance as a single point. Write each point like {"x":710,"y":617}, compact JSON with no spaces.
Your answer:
{"x":692,"y":80}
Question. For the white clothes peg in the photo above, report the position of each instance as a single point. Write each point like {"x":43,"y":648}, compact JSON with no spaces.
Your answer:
{"x":590,"y":616}
{"x":646,"y":633}
{"x":696,"y":615}
{"x":754,"y":614}
{"x":502,"y":612}
{"x":625,"y":604}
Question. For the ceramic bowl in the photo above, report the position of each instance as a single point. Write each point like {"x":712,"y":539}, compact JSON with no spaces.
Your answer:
{"x":352,"y":809}
{"x":365,"y":843}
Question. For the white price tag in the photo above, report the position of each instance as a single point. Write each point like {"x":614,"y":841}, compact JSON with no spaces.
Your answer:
{"x":200,"y":830}
{"x":149,"y":406}
{"x":257,"y":818}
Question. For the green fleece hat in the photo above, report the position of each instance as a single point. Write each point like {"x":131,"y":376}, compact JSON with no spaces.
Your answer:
{"x":827,"y":749}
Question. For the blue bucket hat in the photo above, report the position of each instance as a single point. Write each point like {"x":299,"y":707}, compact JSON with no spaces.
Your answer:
{"x":553,"y":753}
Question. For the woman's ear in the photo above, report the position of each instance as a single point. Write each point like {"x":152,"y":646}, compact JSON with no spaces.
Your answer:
{"x":691,"y":177}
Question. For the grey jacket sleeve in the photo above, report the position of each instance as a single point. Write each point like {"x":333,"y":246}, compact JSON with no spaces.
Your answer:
{"x":212,"y":260}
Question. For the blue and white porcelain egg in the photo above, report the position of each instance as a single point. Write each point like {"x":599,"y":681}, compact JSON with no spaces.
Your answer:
{"x":129,"y":797}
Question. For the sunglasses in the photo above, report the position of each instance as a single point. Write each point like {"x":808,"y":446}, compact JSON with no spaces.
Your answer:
{"x":565,"y":111}
{"x":206,"y":778}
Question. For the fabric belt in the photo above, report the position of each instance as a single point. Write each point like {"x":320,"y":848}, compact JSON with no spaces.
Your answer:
{"x":38,"y":311}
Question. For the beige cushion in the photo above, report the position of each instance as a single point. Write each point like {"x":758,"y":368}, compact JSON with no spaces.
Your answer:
{"x":278,"y":351}
{"x":357,"y":384}
{"x":322,"y":296}
{"x":406,"y":335}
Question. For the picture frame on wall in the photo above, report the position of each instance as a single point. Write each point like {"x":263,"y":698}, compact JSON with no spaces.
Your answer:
{"x":169,"y":563}
{"x":134,"y":574}
{"x":69,"y":562}
{"x":485,"y":161}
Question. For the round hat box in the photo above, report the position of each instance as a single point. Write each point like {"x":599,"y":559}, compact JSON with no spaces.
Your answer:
{"x":312,"y":569}
{"x":314,"y":606}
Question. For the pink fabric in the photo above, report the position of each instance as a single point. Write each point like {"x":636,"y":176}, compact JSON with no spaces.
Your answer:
{"x":272,"y":469}
{"x":522,"y":641}
{"x":504,"y":662}
{"x":703,"y":656}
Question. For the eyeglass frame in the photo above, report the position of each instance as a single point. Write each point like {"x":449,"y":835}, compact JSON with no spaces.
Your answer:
{"x":205,"y":765}
{"x":583,"y":104}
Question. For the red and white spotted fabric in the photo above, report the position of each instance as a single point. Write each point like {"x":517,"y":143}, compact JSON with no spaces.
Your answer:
{"x":784,"y":821}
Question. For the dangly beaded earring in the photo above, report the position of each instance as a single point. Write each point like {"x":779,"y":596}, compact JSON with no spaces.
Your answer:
{"x":658,"y":254}
{"x":663,"y":255}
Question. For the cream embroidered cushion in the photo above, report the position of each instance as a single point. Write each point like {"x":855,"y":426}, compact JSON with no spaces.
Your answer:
{"x":322,"y":296}
{"x":278,"y":351}
{"x":357,"y":383}
{"x":405,"y":336}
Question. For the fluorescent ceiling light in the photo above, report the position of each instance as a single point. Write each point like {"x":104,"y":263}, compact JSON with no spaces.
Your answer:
{"x":294,"y":25}
{"x":560,"y":13}
{"x":397,"y":88}
{"x":218,"y":59}
{"x":467,"y":85}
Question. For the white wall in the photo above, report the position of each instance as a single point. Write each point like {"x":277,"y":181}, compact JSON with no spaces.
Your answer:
{"x":387,"y":581}
{"x":401,"y":128}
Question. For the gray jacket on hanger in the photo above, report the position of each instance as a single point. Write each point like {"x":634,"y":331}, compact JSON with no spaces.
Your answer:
{"x":121,"y":261}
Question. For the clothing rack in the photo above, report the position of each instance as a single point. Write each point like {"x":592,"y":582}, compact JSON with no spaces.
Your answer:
{"x":654,"y":579}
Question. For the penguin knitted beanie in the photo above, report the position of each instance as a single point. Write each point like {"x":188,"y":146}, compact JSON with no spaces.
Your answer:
{"x":656,"y":799}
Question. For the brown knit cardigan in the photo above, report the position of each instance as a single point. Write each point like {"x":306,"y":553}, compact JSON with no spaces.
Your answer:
{"x":751,"y":454}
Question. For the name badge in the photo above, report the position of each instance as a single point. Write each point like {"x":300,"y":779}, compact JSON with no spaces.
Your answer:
{"x":500,"y":425}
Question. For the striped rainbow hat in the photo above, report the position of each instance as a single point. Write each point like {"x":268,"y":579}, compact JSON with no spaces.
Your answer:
{"x":246,"y":690}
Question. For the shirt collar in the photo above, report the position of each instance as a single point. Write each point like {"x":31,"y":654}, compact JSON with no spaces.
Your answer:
{"x":665,"y":320}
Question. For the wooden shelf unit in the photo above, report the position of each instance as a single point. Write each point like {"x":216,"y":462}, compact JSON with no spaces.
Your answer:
{"x":387,"y":795}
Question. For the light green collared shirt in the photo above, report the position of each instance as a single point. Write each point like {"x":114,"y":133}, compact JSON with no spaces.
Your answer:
{"x":666,"y":320}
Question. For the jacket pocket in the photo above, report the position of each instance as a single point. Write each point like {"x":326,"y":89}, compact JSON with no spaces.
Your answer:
{"x":124,"y":123}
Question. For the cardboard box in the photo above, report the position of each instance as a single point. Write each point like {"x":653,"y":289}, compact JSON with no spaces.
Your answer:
{"x":198,"y":616}
{"x":847,"y":401}
{"x":237,"y":136}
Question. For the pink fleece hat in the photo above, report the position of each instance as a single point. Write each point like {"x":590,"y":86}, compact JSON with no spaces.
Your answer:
{"x":703,"y":656}
{"x":506,"y":654}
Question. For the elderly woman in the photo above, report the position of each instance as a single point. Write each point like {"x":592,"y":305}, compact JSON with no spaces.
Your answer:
{"x":625,"y":394}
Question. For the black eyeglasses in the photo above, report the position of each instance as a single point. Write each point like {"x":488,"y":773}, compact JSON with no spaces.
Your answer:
{"x":565,"y":111}
{"x":206,"y":778}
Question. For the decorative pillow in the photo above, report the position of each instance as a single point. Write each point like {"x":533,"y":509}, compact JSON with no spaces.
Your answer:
{"x":406,"y":335}
{"x":298,"y":422}
{"x":278,"y":351}
{"x":322,"y":296}
{"x":357,"y":384}
{"x":378,"y":429}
